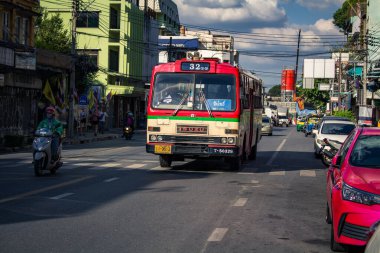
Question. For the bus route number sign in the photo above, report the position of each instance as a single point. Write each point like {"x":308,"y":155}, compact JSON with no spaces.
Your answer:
{"x":195,"y":66}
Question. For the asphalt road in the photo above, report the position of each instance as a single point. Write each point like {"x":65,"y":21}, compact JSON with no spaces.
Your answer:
{"x":111,"y":196}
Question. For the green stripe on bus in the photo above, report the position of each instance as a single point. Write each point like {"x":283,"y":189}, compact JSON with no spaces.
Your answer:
{"x":194,"y":118}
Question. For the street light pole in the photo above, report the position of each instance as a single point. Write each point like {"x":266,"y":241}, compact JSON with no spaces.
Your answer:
{"x":72,"y":74}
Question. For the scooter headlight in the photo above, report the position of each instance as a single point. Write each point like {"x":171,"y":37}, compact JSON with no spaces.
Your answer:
{"x":41,"y":144}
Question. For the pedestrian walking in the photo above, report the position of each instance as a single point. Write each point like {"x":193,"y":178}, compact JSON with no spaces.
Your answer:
{"x":95,"y":121}
{"x":82,"y":121}
{"x":102,"y":120}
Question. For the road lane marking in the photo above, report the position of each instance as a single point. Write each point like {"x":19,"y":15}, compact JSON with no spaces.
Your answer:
{"x":111,"y":179}
{"x":159,"y":168}
{"x":107,"y":165}
{"x":275,"y":154}
{"x":217,"y":235}
{"x":27,"y":194}
{"x":62,"y":195}
{"x":241,"y":202}
{"x":150,"y":161}
{"x":83,"y":164}
{"x":136,"y":166}
{"x":277,"y":173}
{"x":253,"y":181}
{"x":307,"y":173}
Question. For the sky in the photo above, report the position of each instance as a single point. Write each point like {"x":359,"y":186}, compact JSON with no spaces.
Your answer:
{"x":266,"y":31}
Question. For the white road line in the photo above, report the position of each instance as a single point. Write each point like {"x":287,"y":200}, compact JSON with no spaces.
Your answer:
{"x":245,"y":173}
{"x":255,"y":181}
{"x":307,"y":173}
{"x":241,"y":202}
{"x":136,"y":166}
{"x":217,"y":235}
{"x":62,"y":195}
{"x":159,"y":168}
{"x":83,"y":164}
{"x":277,"y":173}
{"x":149,"y":161}
{"x":276,"y":152}
{"x":111,"y":179}
{"x":108,"y":165}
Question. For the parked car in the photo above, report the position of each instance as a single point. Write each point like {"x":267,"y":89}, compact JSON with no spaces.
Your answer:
{"x":353,"y":189}
{"x":267,"y":126}
{"x":335,"y":130}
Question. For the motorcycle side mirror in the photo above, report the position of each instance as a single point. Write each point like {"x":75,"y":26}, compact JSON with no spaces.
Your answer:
{"x":336,"y":161}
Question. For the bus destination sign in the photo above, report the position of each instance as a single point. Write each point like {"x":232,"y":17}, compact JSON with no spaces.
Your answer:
{"x":195,"y":66}
{"x":192,"y":129}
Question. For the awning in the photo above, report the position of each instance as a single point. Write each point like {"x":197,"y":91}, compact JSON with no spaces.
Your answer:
{"x":355,"y":71}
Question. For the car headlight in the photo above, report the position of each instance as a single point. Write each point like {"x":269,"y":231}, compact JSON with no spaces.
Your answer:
{"x":355,"y":195}
{"x":231,"y":140}
{"x":224,"y":140}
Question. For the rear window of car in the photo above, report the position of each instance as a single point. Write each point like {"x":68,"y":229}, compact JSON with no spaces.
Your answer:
{"x":265,"y":120}
{"x":366,"y":152}
{"x":337,"y":128}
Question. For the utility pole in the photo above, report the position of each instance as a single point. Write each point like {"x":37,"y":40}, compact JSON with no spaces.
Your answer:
{"x":298,"y":53}
{"x":340,"y":81}
{"x":72,"y":74}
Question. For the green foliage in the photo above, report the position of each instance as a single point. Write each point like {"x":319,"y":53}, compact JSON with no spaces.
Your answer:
{"x":50,"y":33}
{"x":346,"y":114}
{"x":275,"y":91}
{"x":342,"y":15}
{"x":314,"y":97}
{"x":85,"y":72}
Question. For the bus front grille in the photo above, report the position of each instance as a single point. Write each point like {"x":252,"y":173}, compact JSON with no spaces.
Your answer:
{"x":191,"y":149}
{"x":191,"y":139}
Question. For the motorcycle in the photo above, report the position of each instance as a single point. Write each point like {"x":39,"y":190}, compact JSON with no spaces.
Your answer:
{"x":127,"y":132}
{"x":42,"y":155}
{"x":328,"y":150}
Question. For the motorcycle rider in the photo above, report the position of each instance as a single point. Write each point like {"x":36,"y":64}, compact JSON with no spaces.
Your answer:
{"x":55,"y":126}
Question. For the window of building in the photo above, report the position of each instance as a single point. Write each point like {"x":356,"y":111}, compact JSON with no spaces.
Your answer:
{"x":24,"y":32}
{"x":88,"y":19}
{"x":113,"y":60}
{"x":91,"y":53}
{"x":5,"y":25}
{"x":18,"y":29}
{"x":114,"y":19}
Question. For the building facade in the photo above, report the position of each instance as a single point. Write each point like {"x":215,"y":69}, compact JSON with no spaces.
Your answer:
{"x":20,"y":87}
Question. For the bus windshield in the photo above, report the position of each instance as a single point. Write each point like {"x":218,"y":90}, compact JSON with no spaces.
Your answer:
{"x":194,"y":92}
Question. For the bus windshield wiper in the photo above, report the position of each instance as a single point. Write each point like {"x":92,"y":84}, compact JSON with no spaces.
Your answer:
{"x":203,"y":97}
{"x":179,"y":106}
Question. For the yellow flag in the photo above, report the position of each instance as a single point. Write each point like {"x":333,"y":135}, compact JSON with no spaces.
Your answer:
{"x":49,"y":93}
{"x":90,"y":98}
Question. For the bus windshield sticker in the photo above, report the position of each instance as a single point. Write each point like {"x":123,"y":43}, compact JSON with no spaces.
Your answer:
{"x":220,"y":104}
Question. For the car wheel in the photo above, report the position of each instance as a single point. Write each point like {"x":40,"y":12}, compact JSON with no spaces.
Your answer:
{"x":334,"y":246}
{"x":328,"y":216}
{"x":165,"y":161}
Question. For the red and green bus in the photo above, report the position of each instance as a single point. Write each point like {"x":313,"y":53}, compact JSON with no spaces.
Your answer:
{"x":203,"y":108}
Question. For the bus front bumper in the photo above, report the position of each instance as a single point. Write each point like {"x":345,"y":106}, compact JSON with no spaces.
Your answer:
{"x":192,"y":149}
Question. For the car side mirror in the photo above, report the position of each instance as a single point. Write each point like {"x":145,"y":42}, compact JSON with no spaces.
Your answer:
{"x":336,"y":161}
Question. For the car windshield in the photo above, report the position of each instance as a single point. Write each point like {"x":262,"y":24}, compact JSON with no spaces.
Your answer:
{"x":337,"y":128}
{"x":266,"y":120}
{"x":282,"y":117}
{"x":194,"y":92}
{"x":366,"y":152}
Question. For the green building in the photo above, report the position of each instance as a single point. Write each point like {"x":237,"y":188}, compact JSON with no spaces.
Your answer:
{"x":111,"y":33}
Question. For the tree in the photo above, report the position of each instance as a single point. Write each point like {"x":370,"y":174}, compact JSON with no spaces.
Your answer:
{"x":50,"y":33}
{"x":342,"y":15}
{"x":314,"y":97}
{"x":275,"y":91}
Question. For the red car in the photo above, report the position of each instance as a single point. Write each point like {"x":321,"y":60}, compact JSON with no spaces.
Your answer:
{"x":353,"y":189}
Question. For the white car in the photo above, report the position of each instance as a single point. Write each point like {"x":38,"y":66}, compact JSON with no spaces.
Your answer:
{"x":335,"y":130}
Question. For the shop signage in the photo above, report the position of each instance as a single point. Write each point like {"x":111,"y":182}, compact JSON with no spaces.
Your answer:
{"x":25,"y":60}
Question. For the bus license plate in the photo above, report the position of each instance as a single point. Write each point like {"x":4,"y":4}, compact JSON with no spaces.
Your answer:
{"x":222,"y":151}
{"x":163,"y":149}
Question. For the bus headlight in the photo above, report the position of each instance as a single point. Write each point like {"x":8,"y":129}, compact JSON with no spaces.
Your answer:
{"x":223,"y":140}
{"x":231,"y":140}
{"x":153,"y":138}
{"x":159,"y":138}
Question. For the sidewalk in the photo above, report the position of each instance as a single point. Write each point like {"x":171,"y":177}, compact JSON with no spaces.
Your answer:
{"x":89,"y":137}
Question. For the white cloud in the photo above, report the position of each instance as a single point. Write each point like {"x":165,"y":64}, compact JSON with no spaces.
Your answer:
{"x":224,"y":11}
{"x":319,"y":4}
